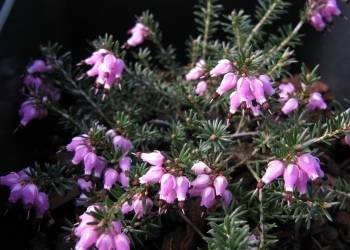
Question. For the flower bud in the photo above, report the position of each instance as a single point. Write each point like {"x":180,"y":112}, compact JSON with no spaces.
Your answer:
{"x":152,"y":176}
{"x":316,"y":102}
{"x":201,"y":181}
{"x":200,"y":168}
{"x":208,"y":197}
{"x":122,"y":143}
{"x":202,"y":86}
{"x":309,"y":164}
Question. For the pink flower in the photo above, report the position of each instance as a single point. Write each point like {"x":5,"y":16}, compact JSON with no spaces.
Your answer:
{"x":286,"y":90}
{"x":155,"y":158}
{"x":90,"y":161}
{"x":31,"y":109}
{"x":267,"y":85}
{"x":201,"y":88}
{"x":196,"y":72}
{"x":220,"y":185}
{"x":16,"y":193}
{"x":208,"y":197}
{"x":38,"y":66}
{"x":124,"y":179}
{"x":122,"y":143}
{"x":125,"y":163}
{"x":152,"y":176}
{"x":200,"y":168}
{"x":126,"y":208}
{"x":138,"y":34}
{"x":347,"y":139}
{"x":88,"y":238}
{"x":291,"y":105}
{"x":32,"y":82}
{"x":138,"y":206}
{"x":329,"y":10}
{"x":274,"y":170}
{"x":110,"y":177}
{"x":76,"y":141}
{"x":96,"y":57}
{"x":168,"y":197}
{"x":257,"y":89}
{"x":202,"y":181}
{"x":9,"y":179}
{"x":316,"y":102}
{"x":309,"y":164}
{"x":227,"y":198}
{"x":234,"y":102}
{"x":167,"y":183}
{"x":301,"y":184}
{"x":317,"y":21}
{"x":105,"y":242}
{"x":29,"y":194}
{"x":41,"y":204}
{"x":122,"y":242}
{"x":243,"y":90}
{"x":228,"y":82}
{"x":290,"y":176}
{"x":100,"y":165}
{"x":84,"y":185}
{"x":80,"y":152}
{"x":182,"y":186}
{"x":224,"y":66}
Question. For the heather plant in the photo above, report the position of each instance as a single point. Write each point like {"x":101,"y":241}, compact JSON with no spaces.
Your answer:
{"x":233,"y":134}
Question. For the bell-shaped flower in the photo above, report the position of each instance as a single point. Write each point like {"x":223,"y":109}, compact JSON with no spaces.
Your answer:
{"x":224,"y":66}
{"x":41,"y":204}
{"x":234,"y":102}
{"x":16,"y":193}
{"x":201,"y":88}
{"x":267,"y":85}
{"x":309,"y":164}
{"x":208,"y":197}
{"x":257,"y":89}
{"x":105,"y":242}
{"x":76,"y":141}
{"x":167,"y":183}
{"x":227,"y":198}
{"x":122,"y":143}
{"x":285,"y":91}
{"x":316,"y":102}
{"x":244,"y":91}
{"x":90,"y":161}
{"x":228,"y":82}
{"x":125,"y":163}
{"x":200,"y":168}
{"x":152,"y":176}
{"x":301,"y":184}
{"x":220,"y":185}
{"x":87,"y":239}
{"x":80,"y":153}
{"x":196,"y":72}
{"x":122,"y":242}
{"x":291,"y":105}
{"x":9,"y":179}
{"x":84,"y":185}
{"x":182,"y":186}
{"x":110,"y":177}
{"x":38,"y":66}
{"x":290,"y":176}
{"x":274,"y":170}
{"x":124,"y":179}
{"x":155,"y":158}
{"x":29,"y":194}
{"x":202,"y":181}
{"x":138,"y":34}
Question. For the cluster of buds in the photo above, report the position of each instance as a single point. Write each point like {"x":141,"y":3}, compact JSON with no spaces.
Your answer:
{"x":138,"y":34}
{"x":295,"y":174}
{"x":104,"y":236}
{"x":290,"y":103}
{"x":38,"y":92}
{"x":137,"y":205}
{"x":209,"y":186}
{"x":175,"y":185}
{"x":106,"y":67}
{"x":322,"y":12}
{"x":22,"y":188}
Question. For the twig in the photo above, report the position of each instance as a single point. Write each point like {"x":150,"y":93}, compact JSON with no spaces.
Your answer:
{"x":243,"y":134}
{"x":195,"y":228}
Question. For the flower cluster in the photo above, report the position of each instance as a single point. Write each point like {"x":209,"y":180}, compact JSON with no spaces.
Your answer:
{"x":106,"y":67}
{"x":137,"y":206}
{"x":138,"y":34}
{"x":322,"y":12}
{"x":290,"y":103}
{"x":296,"y":174}
{"x":92,"y":232}
{"x":209,"y":185}
{"x":84,"y":151}
{"x":175,"y":185}
{"x":38,"y":92}
{"x":22,"y":188}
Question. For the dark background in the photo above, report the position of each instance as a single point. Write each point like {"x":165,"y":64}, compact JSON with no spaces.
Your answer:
{"x":73,"y":22}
